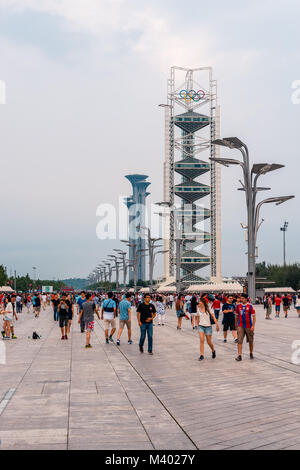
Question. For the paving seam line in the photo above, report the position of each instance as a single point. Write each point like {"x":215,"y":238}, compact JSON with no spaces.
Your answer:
{"x":70,"y":386}
{"x":8,"y":396}
{"x":257,"y":358}
{"x":34,"y":358}
{"x":153,"y":392}
{"x":124,"y":390}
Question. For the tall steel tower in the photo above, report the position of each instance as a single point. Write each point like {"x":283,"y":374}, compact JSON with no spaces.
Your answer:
{"x":187,"y":135}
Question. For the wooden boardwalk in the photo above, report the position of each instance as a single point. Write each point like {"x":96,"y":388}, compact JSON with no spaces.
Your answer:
{"x":57,"y":395}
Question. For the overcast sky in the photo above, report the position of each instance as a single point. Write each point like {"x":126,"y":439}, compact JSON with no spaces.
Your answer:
{"x":83,"y":81}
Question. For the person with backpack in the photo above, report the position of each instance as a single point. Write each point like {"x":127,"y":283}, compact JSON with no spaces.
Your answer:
{"x":206,"y":317}
{"x":108,"y":314}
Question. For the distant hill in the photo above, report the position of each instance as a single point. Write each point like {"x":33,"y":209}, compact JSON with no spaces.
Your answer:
{"x":76,"y":283}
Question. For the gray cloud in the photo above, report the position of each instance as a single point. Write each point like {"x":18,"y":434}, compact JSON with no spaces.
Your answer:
{"x":81,"y":116}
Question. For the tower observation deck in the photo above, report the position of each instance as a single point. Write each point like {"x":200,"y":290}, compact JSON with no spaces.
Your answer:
{"x":189,"y":137}
{"x":136,"y":204}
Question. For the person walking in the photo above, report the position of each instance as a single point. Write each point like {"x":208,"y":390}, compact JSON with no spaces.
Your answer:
{"x":70,"y":304}
{"x":286,"y":305}
{"x":216,"y":305}
{"x":277,"y":305}
{"x":146,"y":313}
{"x":18,"y":303}
{"x":125,"y":318}
{"x":194,"y":312}
{"x":161,"y":311}
{"x":108,"y":313}
{"x":205,"y":327}
{"x":28,"y":303}
{"x":44,"y":301}
{"x":63,"y":309}
{"x":80,"y":301}
{"x":228,"y":310}
{"x":269,"y":308}
{"x":179,"y":305}
{"x":55,"y":304}
{"x":9,"y":317}
{"x":37,"y":305}
{"x":87,"y":316}
{"x":297,"y":307}
{"x":245,"y":319}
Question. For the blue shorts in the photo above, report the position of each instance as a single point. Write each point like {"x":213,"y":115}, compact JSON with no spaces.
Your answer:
{"x":207,"y":330}
{"x":180,"y":313}
{"x":277,"y":308}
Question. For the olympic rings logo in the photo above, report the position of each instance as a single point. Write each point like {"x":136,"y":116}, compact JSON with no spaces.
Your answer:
{"x":192,"y":95}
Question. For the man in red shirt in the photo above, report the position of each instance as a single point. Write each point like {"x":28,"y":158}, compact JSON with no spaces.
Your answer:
{"x":277,"y":305}
{"x":245,"y":323}
{"x":216,"y":305}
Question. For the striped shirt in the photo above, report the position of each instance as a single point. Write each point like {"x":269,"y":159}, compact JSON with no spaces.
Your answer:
{"x":244,"y":314}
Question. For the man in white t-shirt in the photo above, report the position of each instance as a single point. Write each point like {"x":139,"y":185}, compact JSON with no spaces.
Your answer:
{"x":108,"y":314}
{"x":44,"y":301}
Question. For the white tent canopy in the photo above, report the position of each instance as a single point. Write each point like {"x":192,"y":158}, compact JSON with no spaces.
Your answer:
{"x":144,"y":290}
{"x":6,"y":289}
{"x":167,"y":290}
{"x":231,"y":287}
{"x":279,"y":290}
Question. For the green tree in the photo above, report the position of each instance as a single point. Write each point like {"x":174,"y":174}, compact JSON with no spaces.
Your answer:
{"x":3,"y":276}
{"x":282,"y":276}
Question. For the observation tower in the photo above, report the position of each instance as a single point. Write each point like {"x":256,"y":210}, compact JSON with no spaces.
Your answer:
{"x":191,"y":125}
{"x":136,"y":205}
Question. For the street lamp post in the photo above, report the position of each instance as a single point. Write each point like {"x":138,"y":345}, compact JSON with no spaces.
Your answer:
{"x":249,"y":185}
{"x":108,"y":266}
{"x":104,"y":273}
{"x":137,"y":254}
{"x":152,"y":254}
{"x":125,"y":265}
{"x":117,"y":266}
{"x":284,"y":230}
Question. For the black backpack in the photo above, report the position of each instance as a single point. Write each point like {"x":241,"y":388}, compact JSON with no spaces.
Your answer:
{"x":35,"y":335}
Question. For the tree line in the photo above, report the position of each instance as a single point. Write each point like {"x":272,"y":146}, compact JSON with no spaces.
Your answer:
{"x":25,"y":283}
{"x":283,"y":276}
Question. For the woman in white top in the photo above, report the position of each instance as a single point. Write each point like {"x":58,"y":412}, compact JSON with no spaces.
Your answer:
{"x":160,"y":311}
{"x":205,"y":328}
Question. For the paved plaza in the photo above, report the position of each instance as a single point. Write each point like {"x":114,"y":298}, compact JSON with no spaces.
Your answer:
{"x":57,"y":395}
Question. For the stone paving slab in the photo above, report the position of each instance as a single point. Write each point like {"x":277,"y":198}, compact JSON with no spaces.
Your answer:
{"x":114,"y":398}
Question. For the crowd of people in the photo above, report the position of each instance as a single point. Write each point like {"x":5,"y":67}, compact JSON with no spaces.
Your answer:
{"x":203,"y":312}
